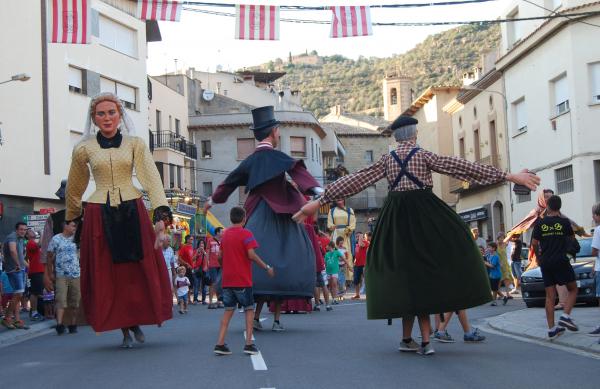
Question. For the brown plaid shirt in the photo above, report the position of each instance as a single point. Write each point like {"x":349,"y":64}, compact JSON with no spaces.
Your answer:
{"x":421,"y":165}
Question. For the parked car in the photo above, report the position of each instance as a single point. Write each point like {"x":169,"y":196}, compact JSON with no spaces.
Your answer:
{"x":532,"y":285}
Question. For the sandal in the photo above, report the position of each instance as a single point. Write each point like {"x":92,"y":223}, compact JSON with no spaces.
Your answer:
{"x":20,"y":324}
{"x":8,"y":324}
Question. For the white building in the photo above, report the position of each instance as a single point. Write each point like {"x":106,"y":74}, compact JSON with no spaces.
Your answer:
{"x":551,"y":72}
{"x":44,"y":117}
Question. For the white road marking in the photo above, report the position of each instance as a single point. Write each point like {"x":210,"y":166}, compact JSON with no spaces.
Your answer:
{"x":253,"y":338}
{"x":258,"y":363}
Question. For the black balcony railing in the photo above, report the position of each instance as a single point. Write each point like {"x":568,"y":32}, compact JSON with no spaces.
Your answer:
{"x":173,"y":141}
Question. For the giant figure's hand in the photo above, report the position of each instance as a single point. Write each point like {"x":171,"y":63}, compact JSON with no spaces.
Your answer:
{"x":309,"y":209}
{"x":524,"y":177}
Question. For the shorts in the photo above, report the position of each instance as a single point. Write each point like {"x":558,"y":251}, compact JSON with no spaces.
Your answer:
{"x":37,"y":284}
{"x":517,"y":271}
{"x":597,"y":279}
{"x":320,"y":282}
{"x":214,"y":275}
{"x":68,"y":292}
{"x":332,"y":276}
{"x":242,"y":296}
{"x":560,"y":273}
{"x":494,"y":284}
{"x":182,"y":298}
{"x":358,"y":272}
{"x":16,"y":280}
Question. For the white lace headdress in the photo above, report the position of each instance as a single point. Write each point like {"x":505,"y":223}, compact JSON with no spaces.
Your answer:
{"x":126,"y":125}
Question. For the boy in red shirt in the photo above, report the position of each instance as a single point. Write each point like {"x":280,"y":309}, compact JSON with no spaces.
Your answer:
{"x":237,"y":255}
{"x":359,"y":263}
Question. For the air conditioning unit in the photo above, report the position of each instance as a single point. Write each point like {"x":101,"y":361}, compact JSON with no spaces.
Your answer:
{"x":562,"y":107}
{"x":596,"y":99}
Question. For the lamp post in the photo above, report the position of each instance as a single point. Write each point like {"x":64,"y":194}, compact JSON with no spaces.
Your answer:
{"x":17,"y":77}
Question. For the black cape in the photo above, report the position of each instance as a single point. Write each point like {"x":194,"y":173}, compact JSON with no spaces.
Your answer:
{"x":260,"y":167}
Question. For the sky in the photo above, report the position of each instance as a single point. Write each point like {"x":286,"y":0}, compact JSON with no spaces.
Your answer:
{"x":207,"y":42}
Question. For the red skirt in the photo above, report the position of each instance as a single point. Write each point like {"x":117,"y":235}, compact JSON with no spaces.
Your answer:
{"x":293,"y":305}
{"x":119,"y":295}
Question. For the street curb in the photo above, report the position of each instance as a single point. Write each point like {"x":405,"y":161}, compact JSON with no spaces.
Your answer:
{"x":559,"y":341}
{"x":10,"y":337}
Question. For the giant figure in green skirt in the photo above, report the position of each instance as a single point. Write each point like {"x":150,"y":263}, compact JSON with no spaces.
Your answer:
{"x":422,"y":259}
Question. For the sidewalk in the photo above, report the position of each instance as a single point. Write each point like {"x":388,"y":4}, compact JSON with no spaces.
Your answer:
{"x":36,"y":328}
{"x":531,"y":323}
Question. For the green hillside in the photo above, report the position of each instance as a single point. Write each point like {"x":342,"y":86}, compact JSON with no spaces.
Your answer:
{"x":356,"y":84}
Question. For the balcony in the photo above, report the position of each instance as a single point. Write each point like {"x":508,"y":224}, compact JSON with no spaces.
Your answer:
{"x":364,"y":203}
{"x":170,"y":140}
{"x":459,"y":186}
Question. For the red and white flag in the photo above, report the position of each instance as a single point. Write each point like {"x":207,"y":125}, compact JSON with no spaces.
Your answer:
{"x":257,"y":22}
{"x":351,"y":21}
{"x":165,"y":10}
{"x":69,"y":21}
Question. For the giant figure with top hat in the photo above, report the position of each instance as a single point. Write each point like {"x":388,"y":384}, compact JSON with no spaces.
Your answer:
{"x":271,"y":202}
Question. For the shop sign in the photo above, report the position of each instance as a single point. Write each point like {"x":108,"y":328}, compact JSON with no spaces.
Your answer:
{"x":474,"y":214}
{"x":36,"y":222}
{"x":46,"y":211}
{"x":186,"y":209}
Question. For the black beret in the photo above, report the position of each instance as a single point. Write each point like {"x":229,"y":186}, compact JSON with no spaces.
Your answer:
{"x":403,"y":120}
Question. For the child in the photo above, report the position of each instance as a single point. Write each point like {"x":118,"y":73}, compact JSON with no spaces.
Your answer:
{"x":332,"y":267}
{"x":595,"y":248}
{"x":493,"y":264}
{"x":236,"y":257}
{"x":339,"y":242}
{"x":182,"y":283}
{"x":552,"y":238}
{"x":48,"y":298}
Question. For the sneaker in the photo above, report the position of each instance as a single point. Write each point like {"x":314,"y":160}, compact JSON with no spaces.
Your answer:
{"x":474,"y":336}
{"x":355,"y":298}
{"x":555,"y":333}
{"x":20,"y":324}
{"x":212,"y":306}
{"x":596,"y":332}
{"x":138,"y":334}
{"x":568,"y":323}
{"x":329,"y":308}
{"x":335,"y":302}
{"x":443,"y":337}
{"x":316,"y":308}
{"x":505,"y":300}
{"x":127,"y":342}
{"x":277,"y":327}
{"x":72,"y":329}
{"x":493,"y":304}
{"x":6,"y":323}
{"x":427,"y":350}
{"x":37,"y":317}
{"x":250,"y":349}
{"x":411,"y":346}
{"x":515,"y":291}
{"x":222,"y":349}
{"x":257,"y":325}
{"x":60,"y":329}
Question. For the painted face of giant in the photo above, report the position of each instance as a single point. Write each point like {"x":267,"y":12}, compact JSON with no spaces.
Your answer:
{"x":107,"y":117}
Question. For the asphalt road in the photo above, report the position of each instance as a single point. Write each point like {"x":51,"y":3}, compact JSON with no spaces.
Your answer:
{"x":339,"y":349}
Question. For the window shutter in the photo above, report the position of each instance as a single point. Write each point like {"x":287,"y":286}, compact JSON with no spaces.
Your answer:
{"x":521,"y":115}
{"x":126,"y":93}
{"x":561,"y":90}
{"x":75,"y":77}
{"x":595,"y":75}
{"x":107,"y":85}
{"x":245,"y":147}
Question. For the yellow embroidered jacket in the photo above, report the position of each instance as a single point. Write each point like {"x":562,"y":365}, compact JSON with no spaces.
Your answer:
{"x":112,"y":170}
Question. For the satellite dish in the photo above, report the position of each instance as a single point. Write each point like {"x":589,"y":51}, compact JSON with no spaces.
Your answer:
{"x":208,"y":95}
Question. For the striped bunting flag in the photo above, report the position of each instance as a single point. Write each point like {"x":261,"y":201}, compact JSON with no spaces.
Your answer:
{"x":351,"y":21}
{"x":257,"y":22}
{"x":69,"y":21}
{"x":165,"y":10}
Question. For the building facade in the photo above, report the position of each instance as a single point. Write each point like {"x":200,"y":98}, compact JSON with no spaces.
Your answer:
{"x":44,"y":117}
{"x":551,"y":74}
{"x":479,"y":135}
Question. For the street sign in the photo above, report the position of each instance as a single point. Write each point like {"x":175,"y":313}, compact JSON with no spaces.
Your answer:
{"x":36,"y":222}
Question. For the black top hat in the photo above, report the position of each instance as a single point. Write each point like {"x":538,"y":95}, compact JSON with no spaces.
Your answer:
{"x":263,"y":118}
{"x":403,"y":120}
{"x":60,"y":193}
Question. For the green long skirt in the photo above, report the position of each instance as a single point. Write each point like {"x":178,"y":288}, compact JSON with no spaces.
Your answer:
{"x":422,"y":260}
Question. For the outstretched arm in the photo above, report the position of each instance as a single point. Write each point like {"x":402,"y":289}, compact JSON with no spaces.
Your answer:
{"x":255,"y":258}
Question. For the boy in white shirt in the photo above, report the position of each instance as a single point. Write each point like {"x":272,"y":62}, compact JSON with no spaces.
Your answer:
{"x":595,"y":253}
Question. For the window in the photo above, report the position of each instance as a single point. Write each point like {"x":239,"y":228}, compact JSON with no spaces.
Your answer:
{"x":207,"y":188}
{"x":158,"y":120}
{"x":170,"y":123}
{"x":171,"y":176}
{"x":475,"y":112}
{"x":461,"y":147}
{"x":564,"y":179}
{"x":460,"y":121}
{"x":393,"y":96}
{"x":523,"y":198}
{"x":125,"y":92}
{"x":206,"y":149}
{"x":476,"y":145}
{"x":117,"y":36}
{"x":245,"y":147}
{"x":177,"y":127}
{"x":161,"y":172}
{"x":561,"y":95}
{"x":312,"y":149}
{"x":514,"y":28}
{"x":597,"y":178}
{"x":242,"y":194}
{"x":520,"y":114}
{"x":368,"y":156}
{"x":595,"y":81}
{"x":491,"y":102}
{"x":179,"y":177}
{"x":298,"y":146}
{"x":76,"y":80}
